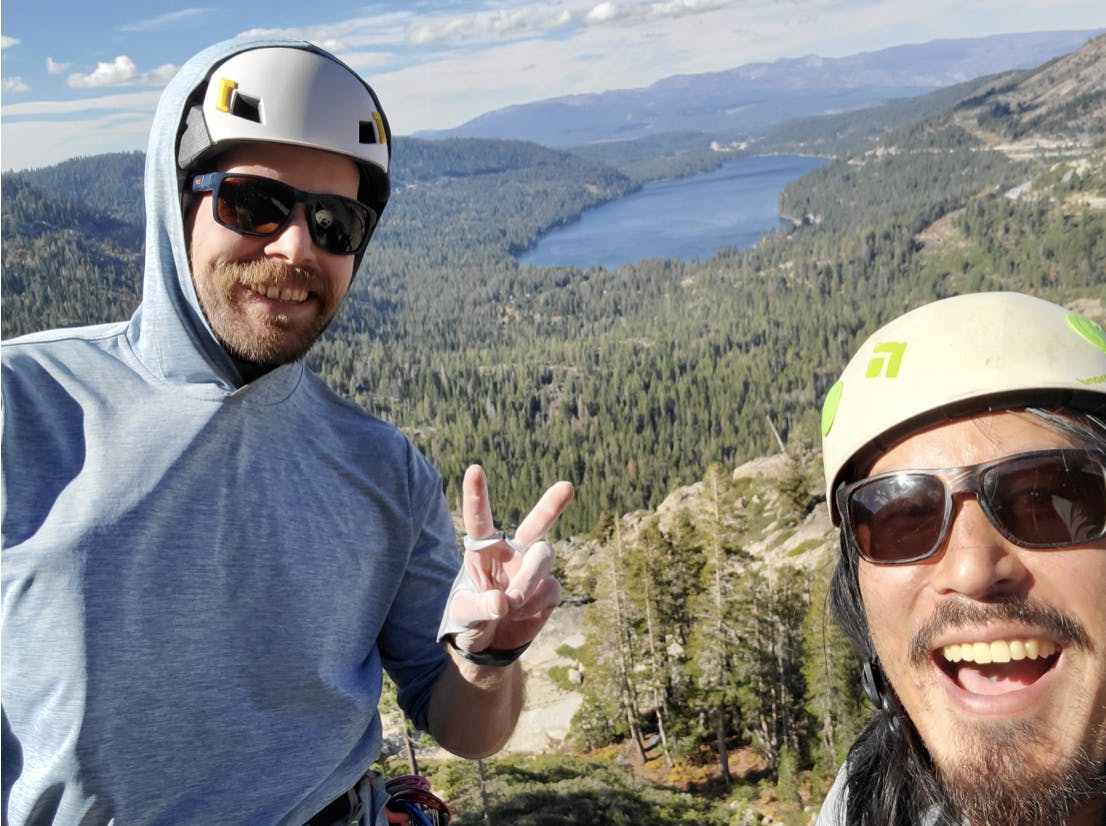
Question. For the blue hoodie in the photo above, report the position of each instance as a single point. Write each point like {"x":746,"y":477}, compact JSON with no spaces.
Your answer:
{"x":202,"y":578}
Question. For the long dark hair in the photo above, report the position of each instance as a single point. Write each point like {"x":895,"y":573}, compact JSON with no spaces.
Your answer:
{"x":891,"y":781}
{"x":891,"y":777}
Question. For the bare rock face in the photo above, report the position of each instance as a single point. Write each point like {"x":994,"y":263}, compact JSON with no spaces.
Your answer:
{"x":544,"y":723}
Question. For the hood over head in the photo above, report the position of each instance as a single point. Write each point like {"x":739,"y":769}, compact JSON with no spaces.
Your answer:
{"x":168,"y":331}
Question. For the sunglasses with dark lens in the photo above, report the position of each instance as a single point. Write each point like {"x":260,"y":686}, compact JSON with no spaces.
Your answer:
{"x":255,"y":205}
{"x":1043,"y":499}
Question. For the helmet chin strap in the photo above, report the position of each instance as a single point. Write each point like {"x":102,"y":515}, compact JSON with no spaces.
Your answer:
{"x":875,"y":689}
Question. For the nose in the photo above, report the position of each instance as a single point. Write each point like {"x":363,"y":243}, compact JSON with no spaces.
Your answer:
{"x":293,"y":243}
{"x":977,"y":561}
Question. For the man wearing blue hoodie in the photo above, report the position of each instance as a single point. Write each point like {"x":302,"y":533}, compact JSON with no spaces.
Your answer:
{"x":210,"y":558}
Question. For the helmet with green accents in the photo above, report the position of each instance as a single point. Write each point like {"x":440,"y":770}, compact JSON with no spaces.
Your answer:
{"x":955,"y":357}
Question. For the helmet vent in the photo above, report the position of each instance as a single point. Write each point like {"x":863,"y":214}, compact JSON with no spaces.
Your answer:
{"x":368,"y":132}
{"x":245,"y":107}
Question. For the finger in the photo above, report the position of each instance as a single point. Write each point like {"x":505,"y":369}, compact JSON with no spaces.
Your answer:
{"x":526,"y":623}
{"x":476,"y":510}
{"x":542,"y":600}
{"x":471,"y":608}
{"x":535,"y":566}
{"x":490,"y":568}
{"x":541,"y":518}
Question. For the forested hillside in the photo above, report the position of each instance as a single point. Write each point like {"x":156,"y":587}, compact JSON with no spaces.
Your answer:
{"x":628,"y":382}
{"x":65,"y":260}
{"x":635,"y":382}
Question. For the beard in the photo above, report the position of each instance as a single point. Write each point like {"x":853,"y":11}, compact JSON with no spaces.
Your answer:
{"x":1000,"y":775}
{"x":999,"y":781}
{"x":264,"y":341}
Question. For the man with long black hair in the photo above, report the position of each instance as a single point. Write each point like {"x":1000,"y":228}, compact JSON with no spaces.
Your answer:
{"x":965,"y":460}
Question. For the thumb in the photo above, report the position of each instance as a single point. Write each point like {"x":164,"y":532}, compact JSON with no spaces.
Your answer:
{"x":472,"y":608}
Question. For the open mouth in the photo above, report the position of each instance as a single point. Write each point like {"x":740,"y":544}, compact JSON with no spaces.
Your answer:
{"x":997,"y":666}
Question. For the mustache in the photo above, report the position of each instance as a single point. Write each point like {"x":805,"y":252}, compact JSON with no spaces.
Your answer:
{"x":268,"y":271}
{"x":1068,"y":630}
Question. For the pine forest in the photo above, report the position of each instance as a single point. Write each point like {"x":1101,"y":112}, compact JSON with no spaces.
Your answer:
{"x":681,"y":398}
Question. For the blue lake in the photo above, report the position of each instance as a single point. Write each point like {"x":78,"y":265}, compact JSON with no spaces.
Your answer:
{"x":684,"y":218}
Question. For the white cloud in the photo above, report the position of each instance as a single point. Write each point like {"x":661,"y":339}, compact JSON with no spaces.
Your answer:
{"x":160,"y":76}
{"x":15,"y":84}
{"x":134,"y":102}
{"x":396,"y":35}
{"x":34,"y":143}
{"x":120,"y":72}
{"x":384,"y":30}
{"x":280,"y":32}
{"x":168,"y":21}
{"x":610,"y":11}
{"x":55,"y":68}
{"x":494,"y":25}
{"x":6,"y":41}
{"x":602,"y":13}
{"x":319,"y":37}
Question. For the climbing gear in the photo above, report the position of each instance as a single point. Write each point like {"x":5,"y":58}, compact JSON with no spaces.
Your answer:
{"x":412,"y":803}
{"x":409,"y":802}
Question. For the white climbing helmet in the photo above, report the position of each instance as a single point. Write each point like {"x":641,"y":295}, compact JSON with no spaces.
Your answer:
{"x":302,"y":96}
{"x":954,"y":357}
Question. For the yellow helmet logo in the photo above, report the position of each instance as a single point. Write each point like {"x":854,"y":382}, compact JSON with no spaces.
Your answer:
{"x":224,"y":94}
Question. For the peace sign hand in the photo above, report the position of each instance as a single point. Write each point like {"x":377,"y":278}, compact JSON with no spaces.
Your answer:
{"x":511,"y":591}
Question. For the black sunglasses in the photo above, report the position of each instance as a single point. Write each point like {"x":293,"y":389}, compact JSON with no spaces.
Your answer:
{"x":1043,"y":499}
{"x":255,"y":205}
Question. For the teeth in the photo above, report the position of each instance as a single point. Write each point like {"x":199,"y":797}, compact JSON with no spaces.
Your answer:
{"x":286,"y":294}
{"x":998,"y":651}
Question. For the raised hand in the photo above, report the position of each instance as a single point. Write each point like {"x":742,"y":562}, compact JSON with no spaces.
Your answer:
{"x":513,"y":591}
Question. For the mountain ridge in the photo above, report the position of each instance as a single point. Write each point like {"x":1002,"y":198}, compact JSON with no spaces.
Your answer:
{"x":1064,"y":101}
{"x":755,"y":96}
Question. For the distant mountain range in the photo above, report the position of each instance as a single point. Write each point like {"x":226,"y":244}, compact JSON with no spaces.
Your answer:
{"x":751,"y":98}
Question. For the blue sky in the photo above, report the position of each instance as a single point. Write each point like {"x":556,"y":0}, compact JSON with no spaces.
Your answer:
{"x":83,"y":78}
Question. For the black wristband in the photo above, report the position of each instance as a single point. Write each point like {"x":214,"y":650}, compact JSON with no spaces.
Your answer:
{"x":489,"y":656}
